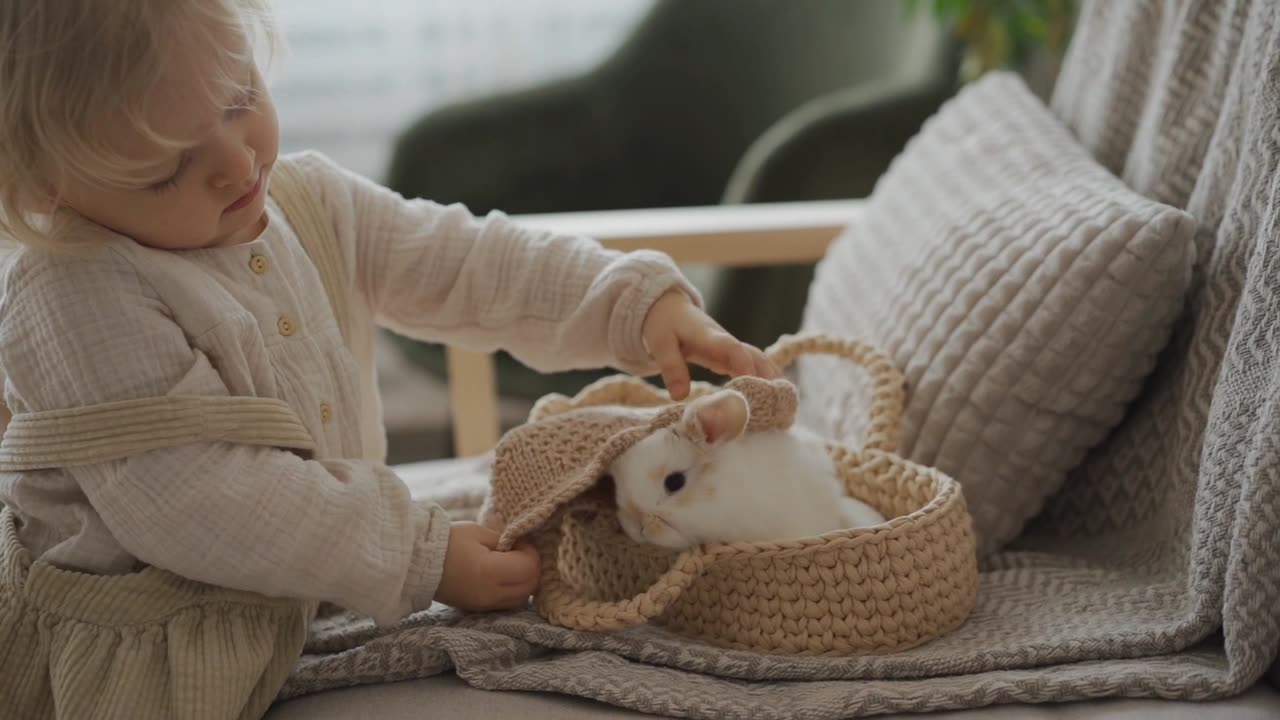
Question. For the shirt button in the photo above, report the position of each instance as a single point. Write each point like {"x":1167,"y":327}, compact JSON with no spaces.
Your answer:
{"x":259,"y":264}
{"x":326,"y":412}
{"x":286,"y":326}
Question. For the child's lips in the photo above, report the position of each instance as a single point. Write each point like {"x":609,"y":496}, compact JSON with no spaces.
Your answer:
{"x":248,"y":197}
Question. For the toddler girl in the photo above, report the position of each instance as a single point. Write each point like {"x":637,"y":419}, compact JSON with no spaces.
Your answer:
{"x":195,"y":457}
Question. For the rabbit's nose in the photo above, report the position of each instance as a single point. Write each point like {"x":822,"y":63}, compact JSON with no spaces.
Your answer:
{"x":658,"y":531}
{"x":652,"y":524}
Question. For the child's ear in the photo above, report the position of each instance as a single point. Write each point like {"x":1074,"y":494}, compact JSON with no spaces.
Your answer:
{"x":717,"y":418}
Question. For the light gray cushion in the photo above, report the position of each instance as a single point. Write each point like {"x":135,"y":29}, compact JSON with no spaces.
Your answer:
{"x":1023,"y":289}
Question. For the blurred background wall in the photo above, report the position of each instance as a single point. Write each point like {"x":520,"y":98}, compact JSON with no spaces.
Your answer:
{"x":563,"y":105}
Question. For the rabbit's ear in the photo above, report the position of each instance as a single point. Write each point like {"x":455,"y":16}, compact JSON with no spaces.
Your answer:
{"x":717,"y":418}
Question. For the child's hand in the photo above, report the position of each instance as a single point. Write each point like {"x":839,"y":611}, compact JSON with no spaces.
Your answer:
{"x":677,"y":332}
{"x":477,"y":577}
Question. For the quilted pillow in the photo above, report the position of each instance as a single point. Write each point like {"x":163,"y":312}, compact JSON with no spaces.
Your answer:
{"x":1023,"y":289}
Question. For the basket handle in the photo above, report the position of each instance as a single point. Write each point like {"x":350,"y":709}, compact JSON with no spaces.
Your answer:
{"x":561,"y":604}
{"x":887,"y":383}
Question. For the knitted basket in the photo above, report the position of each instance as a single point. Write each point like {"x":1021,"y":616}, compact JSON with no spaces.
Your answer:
{"x":863,"y":591}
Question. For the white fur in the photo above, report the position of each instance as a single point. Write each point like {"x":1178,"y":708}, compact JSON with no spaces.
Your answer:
{"x":765,"y":486}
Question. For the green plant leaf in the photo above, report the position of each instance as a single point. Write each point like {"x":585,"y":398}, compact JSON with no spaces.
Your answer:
{"x":952,"y":8}
{"x":998,"y":32}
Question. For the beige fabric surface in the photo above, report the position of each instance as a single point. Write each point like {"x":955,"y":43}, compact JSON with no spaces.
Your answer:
{"x":1024,"y":291}
{"x":449,"y":696}
{"x":1154,"y":571}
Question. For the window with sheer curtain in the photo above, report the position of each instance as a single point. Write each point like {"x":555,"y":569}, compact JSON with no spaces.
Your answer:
{"x":356,"y":73}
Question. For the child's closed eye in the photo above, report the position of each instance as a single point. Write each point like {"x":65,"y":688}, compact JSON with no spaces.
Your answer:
{"x":171,"y":182}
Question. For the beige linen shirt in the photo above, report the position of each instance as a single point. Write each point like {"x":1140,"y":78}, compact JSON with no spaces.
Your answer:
{"x":128,"y":322}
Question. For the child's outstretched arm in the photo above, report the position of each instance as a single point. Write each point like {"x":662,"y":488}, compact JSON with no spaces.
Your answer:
{"x":83,"y":331}
{"x":555,"y":302}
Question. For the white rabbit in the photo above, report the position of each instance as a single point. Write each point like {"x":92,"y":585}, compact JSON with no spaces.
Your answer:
{"x":704,"y":480}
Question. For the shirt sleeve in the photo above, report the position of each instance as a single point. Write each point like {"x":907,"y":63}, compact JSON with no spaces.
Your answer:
{"x":441,"y":274}
{"x":237,"y":516}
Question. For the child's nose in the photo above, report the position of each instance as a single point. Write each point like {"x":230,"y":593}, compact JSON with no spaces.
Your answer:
{"x":237,"y":165}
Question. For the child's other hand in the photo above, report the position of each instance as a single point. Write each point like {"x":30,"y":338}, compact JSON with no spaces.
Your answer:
{"x":677,"y":332}
{"x":478,"y":577}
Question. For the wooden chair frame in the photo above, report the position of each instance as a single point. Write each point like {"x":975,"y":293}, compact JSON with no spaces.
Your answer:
{"x":724,"y":236}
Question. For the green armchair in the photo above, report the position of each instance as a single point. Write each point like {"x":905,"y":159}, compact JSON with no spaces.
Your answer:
{"x":708,"y":101}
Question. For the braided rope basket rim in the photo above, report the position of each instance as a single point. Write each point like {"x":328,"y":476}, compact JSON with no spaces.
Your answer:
{"x":560,"y":602}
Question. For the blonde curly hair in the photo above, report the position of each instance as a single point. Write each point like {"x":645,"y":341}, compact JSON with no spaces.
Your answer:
{"x":72,"y":68}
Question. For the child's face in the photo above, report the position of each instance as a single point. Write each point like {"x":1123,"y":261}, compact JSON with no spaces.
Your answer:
{"x":213,"y":194}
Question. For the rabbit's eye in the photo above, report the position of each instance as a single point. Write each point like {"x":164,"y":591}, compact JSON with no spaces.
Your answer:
{"x":674,"y":482}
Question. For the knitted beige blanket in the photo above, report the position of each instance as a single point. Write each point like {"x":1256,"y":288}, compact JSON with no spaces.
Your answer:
{"x":1155,"y":573}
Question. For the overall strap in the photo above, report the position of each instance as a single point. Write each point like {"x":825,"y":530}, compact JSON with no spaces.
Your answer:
{"x":116,"y":430}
